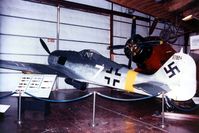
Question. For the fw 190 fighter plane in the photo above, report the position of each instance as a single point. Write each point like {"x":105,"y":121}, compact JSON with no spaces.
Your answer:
{"x":177,"y":77}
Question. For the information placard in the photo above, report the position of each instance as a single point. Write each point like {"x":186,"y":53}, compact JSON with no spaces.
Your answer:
{"x":38,"y":85}
{"x":3,"y":108}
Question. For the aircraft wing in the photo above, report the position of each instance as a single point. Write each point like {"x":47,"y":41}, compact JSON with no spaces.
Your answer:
{"x":153,"y":88}
{"x":38,"y":68}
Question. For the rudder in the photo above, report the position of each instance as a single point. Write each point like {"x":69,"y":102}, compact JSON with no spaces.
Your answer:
{"x":179,"y":73}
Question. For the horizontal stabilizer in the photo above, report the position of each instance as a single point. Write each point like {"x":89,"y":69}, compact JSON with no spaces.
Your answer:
{"x":196,"y":100}
{"x":153,"y":88}
{"x":3,"y":108}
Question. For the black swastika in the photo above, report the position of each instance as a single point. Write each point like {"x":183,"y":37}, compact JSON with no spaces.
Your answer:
{"x":171,"y":69}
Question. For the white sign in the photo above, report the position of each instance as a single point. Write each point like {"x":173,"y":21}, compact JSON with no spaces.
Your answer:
{"x":3,"y":108}
{"x":36,"y":84}
{"x":194,"y":42}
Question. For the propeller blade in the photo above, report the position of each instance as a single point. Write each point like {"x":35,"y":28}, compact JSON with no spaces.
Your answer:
{"x":44,"y":46}
{"x":153,"y":26}
{"x":116,"y":47}
{"x":133,"y":27}
{"x":130,"y":62}
{"x":150,"y":43}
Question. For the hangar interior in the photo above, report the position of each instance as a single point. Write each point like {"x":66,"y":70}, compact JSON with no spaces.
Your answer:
{"x":77,"y":25}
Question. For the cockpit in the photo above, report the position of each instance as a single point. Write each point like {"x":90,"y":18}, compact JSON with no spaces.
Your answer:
{"x":87,"y":57}
{"x":84,"y":56}
{"x":89,"y":54}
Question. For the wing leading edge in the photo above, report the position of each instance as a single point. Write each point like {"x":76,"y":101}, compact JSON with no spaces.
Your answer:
{"x":38,"y":68}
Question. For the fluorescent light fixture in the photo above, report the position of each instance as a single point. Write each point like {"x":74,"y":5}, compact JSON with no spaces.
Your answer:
{"x":189,"y":17}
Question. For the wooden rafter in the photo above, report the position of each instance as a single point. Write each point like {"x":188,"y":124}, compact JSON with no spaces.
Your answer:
{"x":169,"y":10}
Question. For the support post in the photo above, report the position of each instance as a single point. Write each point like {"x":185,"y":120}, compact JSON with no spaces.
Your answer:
{"x":94,"y":101}
{"x":58,"y":33}
{"x":186,"y":42}
{"x":58,"y":25}
{"x":162,"y":125}
{"x":19,"y":107}
{"x":111,"y":34}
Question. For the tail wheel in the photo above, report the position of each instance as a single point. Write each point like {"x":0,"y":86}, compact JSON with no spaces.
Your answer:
{"x":185,"y":106}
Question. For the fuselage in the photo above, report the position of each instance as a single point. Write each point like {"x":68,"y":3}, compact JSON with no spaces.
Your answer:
{"x":94,"y":68}
{"x":97,"y":69}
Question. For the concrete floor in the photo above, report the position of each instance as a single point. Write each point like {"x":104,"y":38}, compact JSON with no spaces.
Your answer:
{"x":111,"y":116}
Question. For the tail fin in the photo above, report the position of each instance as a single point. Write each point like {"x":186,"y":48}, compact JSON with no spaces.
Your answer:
{"x":179,"y":73}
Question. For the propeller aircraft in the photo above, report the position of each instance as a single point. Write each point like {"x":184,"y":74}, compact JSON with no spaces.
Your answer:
{"x":176,"y":78}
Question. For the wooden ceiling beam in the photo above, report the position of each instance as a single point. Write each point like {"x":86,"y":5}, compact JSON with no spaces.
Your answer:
{"x":177,"y":5}
{"x":172,"y":10}
{"x":87,"y":8}
{"x":155,"y":10}
{"x":193,"y":11}
{"x":149,"y":7}
{"x":136,"y":4}
{"x":145,"y":6}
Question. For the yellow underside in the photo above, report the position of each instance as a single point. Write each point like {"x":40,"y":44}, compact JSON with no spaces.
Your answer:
{"x":130,"y":80}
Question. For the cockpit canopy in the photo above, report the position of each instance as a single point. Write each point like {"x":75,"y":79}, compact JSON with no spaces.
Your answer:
{"x":60,"y":57}
{"x":87,"y":56}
